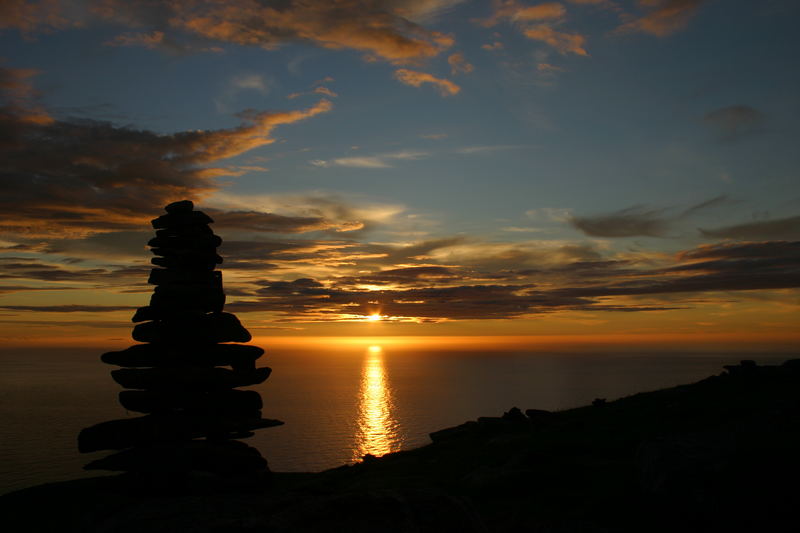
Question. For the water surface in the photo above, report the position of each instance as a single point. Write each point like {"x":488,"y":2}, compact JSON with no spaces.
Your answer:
{"x":339,"y":401}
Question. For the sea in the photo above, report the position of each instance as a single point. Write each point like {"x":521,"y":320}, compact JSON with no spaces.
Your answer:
{"x":339,"y":399}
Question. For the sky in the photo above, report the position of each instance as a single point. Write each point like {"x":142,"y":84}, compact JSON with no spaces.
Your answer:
{"x":581,"y":169}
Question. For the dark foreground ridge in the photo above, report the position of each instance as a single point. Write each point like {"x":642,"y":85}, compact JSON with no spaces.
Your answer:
{"x":717,"y":455}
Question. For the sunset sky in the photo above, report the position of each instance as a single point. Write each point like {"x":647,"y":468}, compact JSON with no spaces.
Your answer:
{"x":593,"y":169}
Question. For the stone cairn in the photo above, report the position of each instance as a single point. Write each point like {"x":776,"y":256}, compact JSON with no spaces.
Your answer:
{"x":193,"y":412}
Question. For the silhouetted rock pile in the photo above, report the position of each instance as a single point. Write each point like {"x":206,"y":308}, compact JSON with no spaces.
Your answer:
{"x":192,"y":410}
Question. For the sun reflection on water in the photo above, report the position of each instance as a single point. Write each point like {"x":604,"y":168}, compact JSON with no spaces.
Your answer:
{"x":377,"y":431}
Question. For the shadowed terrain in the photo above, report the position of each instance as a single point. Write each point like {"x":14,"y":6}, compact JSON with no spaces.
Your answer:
{"x":717,"y":455}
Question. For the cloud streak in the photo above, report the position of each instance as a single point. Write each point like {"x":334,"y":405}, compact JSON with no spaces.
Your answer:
{"x":381,"y":29}
{"x":665,"y":17}
{"x":371,"y":161}
{"x":78,"y":177}
{"x":638,"y":221}
{"x":417,"y":79}
{"x":434,"y":292}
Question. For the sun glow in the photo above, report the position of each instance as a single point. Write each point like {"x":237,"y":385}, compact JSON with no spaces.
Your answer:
{"x":374,"y":318}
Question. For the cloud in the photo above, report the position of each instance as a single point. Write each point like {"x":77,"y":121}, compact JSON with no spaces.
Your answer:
{"x":273,"y":223}
{"x":734,"y":122}
{"x":781,"y":228}
{"x":512,"y":11}
{"x":563,"y":42}
{"x":638,"y":221}
{"x":467,"y":150}
{"x":371,"y":161}
{"x":547,"y":68}
{"x":459,"y":65}
{"x":317,"y":90}
{"x":30,"y":16}
{"x":431,"y":292}
{"x":422,"y":10}
{"x":537,"y":23}
{"x":743,"y":250}
{"x":237,"y":84}
{"x":492,"y":47}
{"x":433,"y":136}
{"x":152,"y":40}
{"x":23,"y":268}
{"x":253,"y":82}
{"x":19,"y":99}
{"x":77,"y":177}
{"x":631,"y":222}
{"x":665,"y":18}
{"x":416,"y":79}
{"x":67,"y":308}
{"x":381,"y":29}
{"x":728,"y":268}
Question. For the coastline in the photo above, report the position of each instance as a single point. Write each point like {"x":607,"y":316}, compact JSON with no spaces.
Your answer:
{"x":716,"y":455}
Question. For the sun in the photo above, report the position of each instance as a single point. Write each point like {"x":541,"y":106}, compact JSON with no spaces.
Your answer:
{"x":374,"y":318}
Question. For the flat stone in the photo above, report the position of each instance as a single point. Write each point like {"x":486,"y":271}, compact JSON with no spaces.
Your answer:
{"x":163,"y":428}
{"x":185,"y":231}
{"x":161,"y":276}
{"x":171,"y":299}
{"x":209,"y":262}
{"x":143,"y":401}
{"x":237,"y":356}
{"x":223,"y":458}
{"x":190,"y":378}
{"x":191,"y":218}
{"x":199,"y":254}
{"x":182,"y":206}
{"x":188,"y":242}
{"x":213,"y":328}
{"x":152,"y":313}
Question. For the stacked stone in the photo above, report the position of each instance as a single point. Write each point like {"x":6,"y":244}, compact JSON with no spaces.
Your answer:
{"x":193,"y":411}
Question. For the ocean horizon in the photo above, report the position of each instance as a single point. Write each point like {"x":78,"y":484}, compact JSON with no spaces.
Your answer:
{"x":339,"y":400}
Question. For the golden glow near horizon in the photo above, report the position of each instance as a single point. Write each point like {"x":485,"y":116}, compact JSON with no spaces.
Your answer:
{"x":377,"y":431}
{"x":374,"y":317}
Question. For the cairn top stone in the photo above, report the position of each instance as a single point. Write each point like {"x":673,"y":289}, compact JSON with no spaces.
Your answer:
{"x":182,"y":206}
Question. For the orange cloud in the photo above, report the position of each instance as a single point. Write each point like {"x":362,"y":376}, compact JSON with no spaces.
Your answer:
{"x":28,"y":17}
{"x":668,"y":17}
{"x":511,"y":10}
{"x":374,"y":27}
{"x":563,"y":42}
{"x":154,"y":39}
{"x":459,"y":65}
{"x":18,"y":97}
{"x":416,"y":79}
{"x":536,"y":22}
{"x":497,"y":45}
{"x":317,"y":90}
